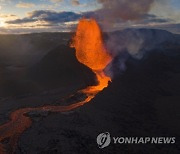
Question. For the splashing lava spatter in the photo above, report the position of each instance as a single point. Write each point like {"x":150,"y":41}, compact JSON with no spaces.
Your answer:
{"x":90,"y":51}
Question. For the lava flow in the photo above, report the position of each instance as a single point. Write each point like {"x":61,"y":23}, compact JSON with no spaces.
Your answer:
{"x":91,"y":52}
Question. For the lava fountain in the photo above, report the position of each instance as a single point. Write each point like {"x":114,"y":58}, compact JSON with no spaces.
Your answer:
{"x":91,"y":52}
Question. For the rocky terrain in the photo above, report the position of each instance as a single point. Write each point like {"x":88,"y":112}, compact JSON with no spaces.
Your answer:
{"x":142,"y":100}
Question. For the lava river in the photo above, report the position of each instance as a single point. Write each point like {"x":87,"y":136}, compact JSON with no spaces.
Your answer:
{"x":91,"y":52}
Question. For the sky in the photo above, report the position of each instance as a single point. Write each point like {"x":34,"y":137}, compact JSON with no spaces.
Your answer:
{"x":28,"y":16}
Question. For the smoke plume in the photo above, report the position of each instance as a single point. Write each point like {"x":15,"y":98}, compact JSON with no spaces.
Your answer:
{"x":114,"y":10}
{"x":118,"y":11}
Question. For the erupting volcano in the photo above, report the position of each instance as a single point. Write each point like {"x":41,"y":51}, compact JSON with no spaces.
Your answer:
{"x":91,"y":52}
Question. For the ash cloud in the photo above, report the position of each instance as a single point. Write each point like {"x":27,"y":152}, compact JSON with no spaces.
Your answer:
{"x":118,"y":11}
{"x":113,"y":10}
{"x":128,"y":43}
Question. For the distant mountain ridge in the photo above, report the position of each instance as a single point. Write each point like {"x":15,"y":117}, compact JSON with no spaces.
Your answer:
{"x":138,"y":41}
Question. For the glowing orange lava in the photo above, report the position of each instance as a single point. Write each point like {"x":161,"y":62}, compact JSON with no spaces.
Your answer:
{"x":91,"y":52}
